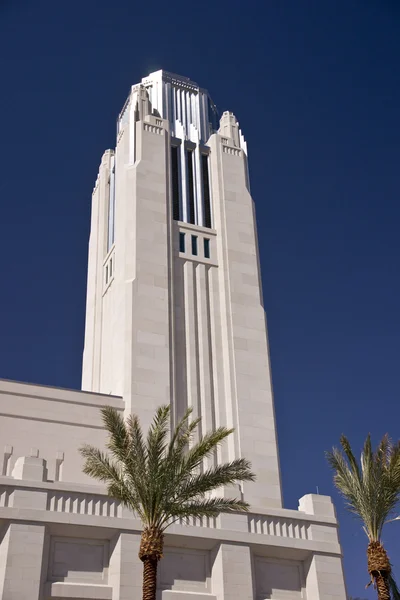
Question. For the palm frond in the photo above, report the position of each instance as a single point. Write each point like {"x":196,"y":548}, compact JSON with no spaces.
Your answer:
{"x":156,"y":438}
{"x":137,"y":444}
{"x":372,"y":489}
{"x":99,"y":466}
{"x":204,"y":448}
{"x":118,"y":441}
{"x":394,"y":590}
{"x":182,"y":432}
{"x":210,"y":507}
{"x":174,"y":459}
{"x":344,"y":442}
{"x":345,"y":482}
{"x":159,"y":479}
{"x":213,"y":478}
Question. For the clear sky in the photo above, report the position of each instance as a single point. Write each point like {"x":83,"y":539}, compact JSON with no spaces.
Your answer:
{"x":316,"y":87}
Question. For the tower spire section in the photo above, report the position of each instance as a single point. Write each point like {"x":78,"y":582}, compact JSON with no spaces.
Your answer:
{"x":174,"y":305}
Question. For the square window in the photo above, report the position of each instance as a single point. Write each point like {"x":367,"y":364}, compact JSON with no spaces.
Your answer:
{"x":181,"y":242}
{"x":206,"y":248}
{"x":194,"y":245}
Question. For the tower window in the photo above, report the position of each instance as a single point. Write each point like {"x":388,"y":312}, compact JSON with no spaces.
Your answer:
{"x":175,"y":183}
{"x":206,"y":248}
{"x":106,"y":274}
{"x":111,"y":206}
{"x":181,"y":242}
{"x":194,"y":245}
{"x":111,"y":267}
{"x":206,"y":190}
{"x":192,"y":217}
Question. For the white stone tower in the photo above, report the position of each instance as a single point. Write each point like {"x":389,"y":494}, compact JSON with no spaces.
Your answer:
{"x":174,"y":301}
{"x":174,"y":314}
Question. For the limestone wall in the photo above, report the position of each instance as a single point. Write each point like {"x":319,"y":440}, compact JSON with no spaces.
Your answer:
{"x":50,"y":423}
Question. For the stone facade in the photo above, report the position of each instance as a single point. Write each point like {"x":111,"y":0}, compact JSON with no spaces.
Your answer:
{"x":174,"y":314}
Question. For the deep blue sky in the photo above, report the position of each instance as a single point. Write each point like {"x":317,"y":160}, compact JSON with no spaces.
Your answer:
{"x":316,"y":88}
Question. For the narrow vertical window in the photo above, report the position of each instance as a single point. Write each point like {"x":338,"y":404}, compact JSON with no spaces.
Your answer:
{"x":175,"y":183}
{"x":194,"y":245}
{"x":181,"y":242}
{"x":106,"y":274}
{"x":111,"y":266}
{"x":192,"y":217}
{"x":111,"y":207}
{"x":206,"y":190}
{"x":206,"y":248}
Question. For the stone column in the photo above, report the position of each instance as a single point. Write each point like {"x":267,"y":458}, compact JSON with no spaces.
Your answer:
{"x":21,"y":556}
{"x":323,"y":571}
{"x":232,"y":572}
{"x":125,"y":571}
{"x":22,"y":545}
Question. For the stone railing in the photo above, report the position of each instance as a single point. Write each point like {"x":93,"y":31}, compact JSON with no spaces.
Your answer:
{"x":279,"y":526}
{"x":97,"y":505}
{"x":83,"y":504}
{"x":92,"y":501}
{"x":153,"y":128}
{"x":210,"y":522}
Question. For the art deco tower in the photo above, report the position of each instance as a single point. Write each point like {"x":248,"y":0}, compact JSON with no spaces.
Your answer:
{"x":174,"y":314}
{"x":174,"y":302}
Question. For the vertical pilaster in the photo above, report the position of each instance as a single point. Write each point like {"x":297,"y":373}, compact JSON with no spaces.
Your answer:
{"x":21,"y":556}
{"x":92,"y":299}
{"x":92,"y":360}
{"x":191,"y":333}
{"x":325,"y":578}
{"x":245,"y":347}
{"x":126,"y":570}
{"x":203,"y":349}
{"x":232,"y":577}
{"x":324,"y":572}
{"x":147,"y":327}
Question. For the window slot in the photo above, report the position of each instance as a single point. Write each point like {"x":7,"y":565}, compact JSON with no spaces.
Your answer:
{"x":111,"y":206}
{"x":206,"y":191}
{"x":175,"y":183}
{"x":181,"y":242}
{"x":191,"y":216}
{"x":206,"y":248}
{"x":194,"y":245}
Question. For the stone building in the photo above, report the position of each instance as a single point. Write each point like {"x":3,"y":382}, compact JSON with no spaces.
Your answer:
{"x":174,"y":313}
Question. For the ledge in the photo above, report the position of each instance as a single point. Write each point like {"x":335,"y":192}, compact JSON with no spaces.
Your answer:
{"x":134,"y":525}
{"x":175,"y":595}
{"x":62,"y":589}
{"x":57,"y":394}
{"x":82,"y":488}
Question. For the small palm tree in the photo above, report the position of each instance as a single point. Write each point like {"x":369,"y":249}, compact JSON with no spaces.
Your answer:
{"x":371,"y":491}
{"x":163,"y":478}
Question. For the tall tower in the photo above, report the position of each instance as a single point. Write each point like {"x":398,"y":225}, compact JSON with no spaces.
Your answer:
{"x":174,"y":314}
{"x":174,"y":301}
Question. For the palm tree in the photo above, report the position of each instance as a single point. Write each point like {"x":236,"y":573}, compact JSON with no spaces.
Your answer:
{"x":163,"y":478}
{"x":371,"y":491}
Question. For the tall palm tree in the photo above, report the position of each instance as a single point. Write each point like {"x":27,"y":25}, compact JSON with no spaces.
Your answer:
{"x":371,"y":490}
{"x":163,"y":478}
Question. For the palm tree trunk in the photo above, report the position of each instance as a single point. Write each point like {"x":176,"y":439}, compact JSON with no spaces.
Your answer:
{"x":382,"y":586}
{"x":150,"y":552}
{"x":149,"y":579}
{"x":379,"y":568}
